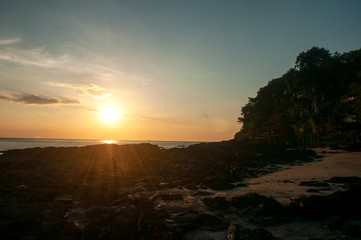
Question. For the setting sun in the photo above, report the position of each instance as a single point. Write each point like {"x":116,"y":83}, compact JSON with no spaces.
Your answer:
{"x":111,"y":114}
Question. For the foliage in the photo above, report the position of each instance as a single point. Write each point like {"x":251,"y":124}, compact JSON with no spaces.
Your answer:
{"x":320,"y":97}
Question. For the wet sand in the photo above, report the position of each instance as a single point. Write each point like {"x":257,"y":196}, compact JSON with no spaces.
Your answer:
{"x":285,"y":184}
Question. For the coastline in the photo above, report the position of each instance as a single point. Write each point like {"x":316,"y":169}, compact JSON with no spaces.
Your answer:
{"x":23,"y":143}
{"x":180,"y":193}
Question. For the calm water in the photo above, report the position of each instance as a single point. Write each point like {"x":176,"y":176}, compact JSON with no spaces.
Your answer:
{"x":22,"y":143}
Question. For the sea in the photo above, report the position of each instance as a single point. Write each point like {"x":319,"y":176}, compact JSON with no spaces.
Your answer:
{"x":22,"y":143}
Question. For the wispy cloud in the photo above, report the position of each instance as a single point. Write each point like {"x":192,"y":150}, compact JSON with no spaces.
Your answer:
{"x":37,"y":100}
{"x":33,"y":57}
{"x":9,"y":41}
{"x":65,"y":63}
{"x":87,"y":89}
{"x":91,"y":109}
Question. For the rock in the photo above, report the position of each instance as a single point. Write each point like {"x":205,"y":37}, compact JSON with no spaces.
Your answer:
{"x":43,"y":195}
{"x":233,"y":232}
{"x":217,"y":203}
{"x":163,"y":185}
{"x":252,"y":200}
{"x":343,"y":203}
{"x":314,"y":184}
{"x":170,"y":196}
{"x":207,"y":220}
{"x":262,"y":234}
{"x":334,"y":222}
{"x":155,"y":199}
{"x":66,"y":199}
{"x":20,"y":229}
{"x":312,"y":190}
{"x":352,"y":229}
{"x":111,"y":196}
{"x":345,"y":180}
{"x":202,"y":193}
{"x":241,"y":185}
{"x":220,"y":184}
{"x":95,"y":212}
{"x":52,"y":229}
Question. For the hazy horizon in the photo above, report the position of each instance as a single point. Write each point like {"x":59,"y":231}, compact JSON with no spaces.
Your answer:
{"x":164,"y":70}
{"x":95,"y":139}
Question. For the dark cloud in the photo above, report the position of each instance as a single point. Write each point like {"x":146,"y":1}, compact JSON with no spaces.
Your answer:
{"x":37,"y":100}
{"x":33,"y":99}
{"x":70,"y":101}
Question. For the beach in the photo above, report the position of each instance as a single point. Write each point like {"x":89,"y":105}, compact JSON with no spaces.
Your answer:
{"x":204,"y":191}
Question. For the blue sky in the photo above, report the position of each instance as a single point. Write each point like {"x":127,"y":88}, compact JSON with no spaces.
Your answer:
{"x":177,"y":70}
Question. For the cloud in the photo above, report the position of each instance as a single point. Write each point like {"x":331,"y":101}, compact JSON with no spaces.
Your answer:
{"x":37,"y":100}
{"x":87,"y":89}
{"x":33,"y":57}
{"x":91,"y":109}
{"x":9,"y":41}
{"x":98,"y":68}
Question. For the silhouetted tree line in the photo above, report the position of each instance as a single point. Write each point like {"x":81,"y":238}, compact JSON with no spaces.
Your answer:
{"x":316,"y":102}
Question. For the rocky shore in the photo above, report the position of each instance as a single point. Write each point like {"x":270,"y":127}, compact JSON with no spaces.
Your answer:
{"x":145,"y":192}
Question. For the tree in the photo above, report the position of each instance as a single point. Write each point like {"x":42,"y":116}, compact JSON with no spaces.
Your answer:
{"x":321,"y":95}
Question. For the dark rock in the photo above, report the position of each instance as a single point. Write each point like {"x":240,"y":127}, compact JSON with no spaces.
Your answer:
{"x":187,"y":222}
{"x":343,"y":203}
{"x":170,"y":196}
{"x":202,"y":193}
{"x":220,"y":185}
{"x":345,"y":180}
{"x":43,"y":195}
{"x":287,"y":181}
{"x":334,"y":222}
{"x":96,"y":212}
{"x":18,"y":229}
{"x":262,"y":234}
{"x":217,"y":203}
{"x":215,"y":222}
{"x":237,"y":233}
{"x":233,"y":232}
{"x":352,"y":229}
{"x":52,"y":229}
{"x":253,"y":200}
{"x":163,"y":185}
{"x":312,"y":190}
{"x":314,"y":184}
{"x":241,"y":185}
{"x":355,"y":147}
{"x":67,"y":199}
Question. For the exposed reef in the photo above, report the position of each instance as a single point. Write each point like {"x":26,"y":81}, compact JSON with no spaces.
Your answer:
{"x":145,"y":192}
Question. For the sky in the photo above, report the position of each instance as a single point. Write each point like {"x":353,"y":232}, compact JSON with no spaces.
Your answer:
{"x":153,"y":70}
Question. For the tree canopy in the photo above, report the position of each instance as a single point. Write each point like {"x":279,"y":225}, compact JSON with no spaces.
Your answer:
{"x":319,"y":97}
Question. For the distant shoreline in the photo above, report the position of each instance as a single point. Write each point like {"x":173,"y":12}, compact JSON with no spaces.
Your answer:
{"x":24,"y":143}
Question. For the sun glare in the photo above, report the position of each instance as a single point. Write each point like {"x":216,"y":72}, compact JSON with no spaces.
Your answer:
{"x":109,"y":141}
{"x":111,"y":114}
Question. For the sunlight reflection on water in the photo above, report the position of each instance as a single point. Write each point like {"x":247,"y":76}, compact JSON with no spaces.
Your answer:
{"x":109,"y":141}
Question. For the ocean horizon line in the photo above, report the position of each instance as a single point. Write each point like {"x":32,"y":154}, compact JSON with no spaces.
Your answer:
{"x":23,"y":143}
{"x":103,"y":139}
